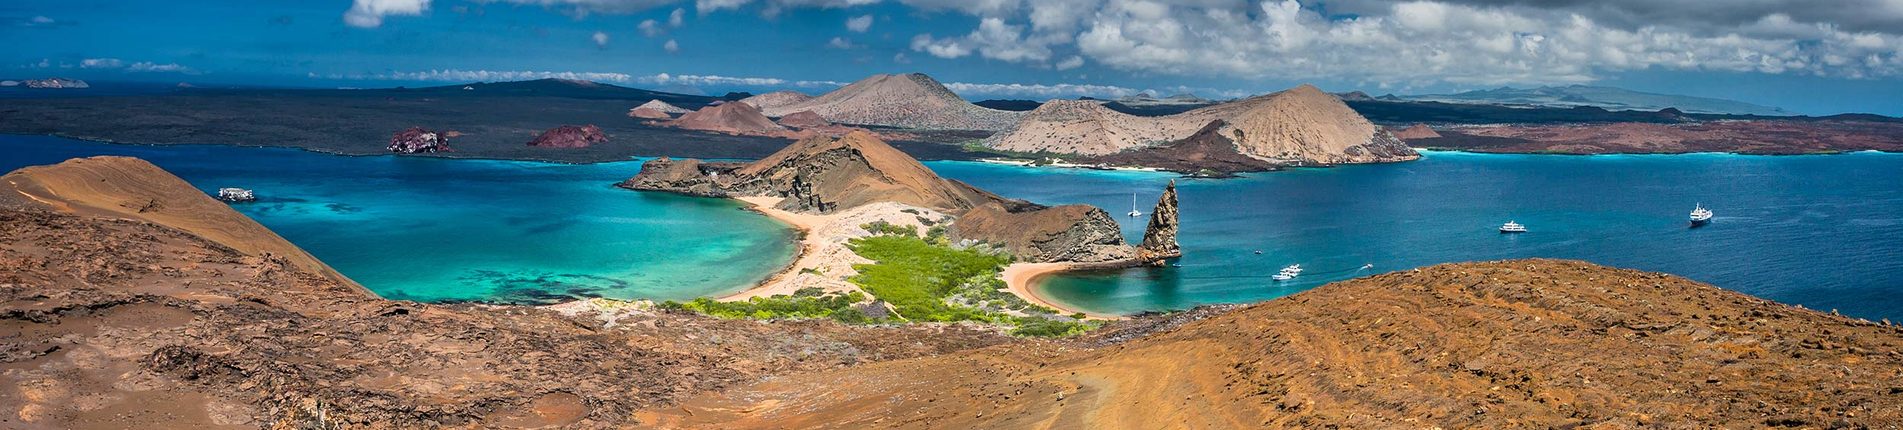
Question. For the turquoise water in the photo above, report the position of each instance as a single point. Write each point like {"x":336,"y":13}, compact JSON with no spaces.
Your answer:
{"x":473,"y":230}
{"x":1825,"y":232}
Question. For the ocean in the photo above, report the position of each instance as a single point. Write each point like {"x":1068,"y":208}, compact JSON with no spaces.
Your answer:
{"x":1824,"y":231}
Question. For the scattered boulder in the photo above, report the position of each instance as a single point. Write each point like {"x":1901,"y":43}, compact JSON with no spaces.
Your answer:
{"x":417,"y":140}
{"x":570,"y":136}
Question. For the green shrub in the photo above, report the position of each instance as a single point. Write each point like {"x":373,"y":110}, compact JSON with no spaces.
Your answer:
{"x":803,"y":304}
{"x":1040,"y":327}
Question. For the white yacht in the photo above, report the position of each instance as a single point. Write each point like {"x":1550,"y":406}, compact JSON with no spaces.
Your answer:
{"x":236,"y":195}
{"x":1700,"y":215}
{"x":1288,"y":273}
{"x":1512,"y":227}
{"x":1133,"y":207}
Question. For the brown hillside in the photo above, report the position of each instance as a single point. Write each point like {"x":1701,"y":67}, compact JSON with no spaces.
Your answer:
{"x":1510,"y":344}
{"x":910,"y":100}
{"x":735,"y":118}
{"x":130,"y":188}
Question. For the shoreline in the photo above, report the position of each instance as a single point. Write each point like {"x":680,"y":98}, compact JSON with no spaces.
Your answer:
{"x":1019,"y":278}
{"x":803,"y":256}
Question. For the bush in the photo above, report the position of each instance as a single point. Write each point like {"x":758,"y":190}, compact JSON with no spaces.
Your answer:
{"x":803,"y":304}
{"x":916,"y":276}
{"x":1039,"y":327}
{"x":883,"y":228}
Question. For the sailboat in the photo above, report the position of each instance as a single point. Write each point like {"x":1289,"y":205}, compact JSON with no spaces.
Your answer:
{"x":1133,"y":207}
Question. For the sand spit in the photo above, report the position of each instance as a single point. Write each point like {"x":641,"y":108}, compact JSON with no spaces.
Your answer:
{"x":824,"y":261}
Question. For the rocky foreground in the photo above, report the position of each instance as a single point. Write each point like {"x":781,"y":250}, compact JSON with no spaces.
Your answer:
{"x":118,"y":312}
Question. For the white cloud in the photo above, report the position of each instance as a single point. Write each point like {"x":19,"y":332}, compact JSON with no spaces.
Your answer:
{"x":454,"y":75}
{"x":859,"y":24}
{"x":1070,"y":63}
{"x":677,"y":18}
{"x":993,"y":39}
{"x":840,"y":43}
{"x":101,"y":63}
{"x":901,"y":58}
{"x":717,"y":80}
{"x":144,"y":66}
{"x":1040,"y":90}
{"x":671,"y":47}
{"x":370,"y":13}
{"x":651,"y":28}
{"x":601,"y":39}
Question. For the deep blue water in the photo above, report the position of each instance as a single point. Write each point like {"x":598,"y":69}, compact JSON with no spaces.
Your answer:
{"x":434,"y":229}
{"x":1824,"y":231}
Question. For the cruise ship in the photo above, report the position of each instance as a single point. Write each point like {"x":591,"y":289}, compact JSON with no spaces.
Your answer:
{"x":1700,"y":215}
{"x":1512,"y":227}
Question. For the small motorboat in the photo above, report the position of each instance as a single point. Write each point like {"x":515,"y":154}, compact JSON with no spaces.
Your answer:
{"x":1258,"y":253}
{"x":1700,"y":215}
{"x":1512,"y":227}
{"x":1288,"y":273}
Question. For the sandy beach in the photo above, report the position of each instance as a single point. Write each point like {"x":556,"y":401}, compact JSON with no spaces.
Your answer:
{"x":1019,"y":277}
{"x":810,"y":243}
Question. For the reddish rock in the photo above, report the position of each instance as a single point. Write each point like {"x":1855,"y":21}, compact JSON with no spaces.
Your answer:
{"x":417,"y":140}
{"x":570,"y":136}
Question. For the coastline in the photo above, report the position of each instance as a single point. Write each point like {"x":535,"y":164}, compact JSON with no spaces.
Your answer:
{"x":1019,"y":278}
{"x":803,"y":257}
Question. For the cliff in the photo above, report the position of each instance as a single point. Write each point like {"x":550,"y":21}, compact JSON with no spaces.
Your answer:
{"x":1070,"y":233}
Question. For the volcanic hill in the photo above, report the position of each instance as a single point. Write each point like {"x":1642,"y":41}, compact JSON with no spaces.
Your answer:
{"x":1302,"y":126}
{"x":776,"y":99}
{"x":912,"y":100}
{"x":732,"y":118}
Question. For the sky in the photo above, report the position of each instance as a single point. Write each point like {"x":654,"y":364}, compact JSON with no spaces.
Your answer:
{"x":1807,"y":56}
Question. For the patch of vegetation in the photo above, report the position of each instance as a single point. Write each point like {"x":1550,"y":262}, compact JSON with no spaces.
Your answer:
{"x":808,"y":303}
{"x":886,"y":228}
{"x":926,"y":280}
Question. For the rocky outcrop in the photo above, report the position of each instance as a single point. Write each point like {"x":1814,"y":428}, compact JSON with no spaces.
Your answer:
{"x":731,"y":118}
{"x":1416,"y":131}
{"x":1159,"y":237}
{"x":821,"y":175}
{"x":776,"y":99}
{"x":570,"y":136}
{"x":804,"y":119}
{"x":417,"y":140}
{"x":911,"y":100}
{"x":662,"y":106}
{"x":1069,"y":233}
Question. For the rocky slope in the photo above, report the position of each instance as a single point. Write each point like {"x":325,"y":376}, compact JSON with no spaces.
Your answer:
{"x":115,"y":318}
{"x":776,"y":99}
{"x":910,"y":100}
{"x":732,"y":118}
{"x":1509,"y":344}
{"x":1301,"y":126}
{"x":1206,"y":153}
{"x":417,"y":140}
{"x":1159,"y":236}
{"x":825,"y":176}
{"x":1086,"y":128}
{"x":648,"y":113}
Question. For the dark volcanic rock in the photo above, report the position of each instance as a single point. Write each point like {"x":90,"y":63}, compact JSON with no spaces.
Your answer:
{"x":570,"y":136}
{"x":1207,"y":152}
{"x":1159,"y":238}
{"x":416,"y":140}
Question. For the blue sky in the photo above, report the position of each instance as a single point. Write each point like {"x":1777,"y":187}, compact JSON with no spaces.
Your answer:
{"x":1841,"y":56}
